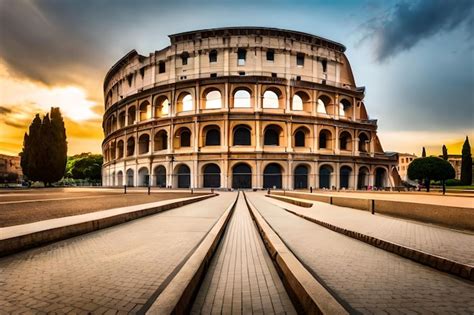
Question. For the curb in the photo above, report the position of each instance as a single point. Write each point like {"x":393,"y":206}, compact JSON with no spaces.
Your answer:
{"x":291,"y":200}
{"x":307,"y":293}
{"x":431,"y":260}
{"x":26,"y":241}
{"x":178,"y":295}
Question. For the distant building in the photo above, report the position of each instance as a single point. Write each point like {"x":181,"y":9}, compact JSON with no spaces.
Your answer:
{"x":455,"y":160}
{"x":404,"y":159}
{"x":10,"y":169}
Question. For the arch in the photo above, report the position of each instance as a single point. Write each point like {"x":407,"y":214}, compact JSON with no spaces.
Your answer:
{"x":121,"y":119}
{"x":271,"y":98}
{"x":297,"y":103}
{"x":120,"y":178}
{"x":162,"y":106}
{"x":143,"y":177}
{"x":345,"y":108}
{"x":213,"y":135}
{"x":300,"y":177}
{"x":212,"y":176}
{"x":213,"y":99}
{"x":130,"y":177}
{"x":325,"y":174}
{"x":113,"y":151}
{"x":160,"y":141}
{"x":300,"y":137}
{"x":363,"y":178}
{"x":185,"y":102}
{"x":380,"y":177}
{"x":301,"y":102}
{"x":242,"y":98}
{"x":364,"y":142}
{"x":120,"y":149}
{"x":272,"y":135}
{"x":184,"y":135}
{"x":130,"y":146}
{"x":213,"y":56}
{"x":160,"y":176}
{"x":184,"y":176}
{"x":345,"y":176}
{"x":132,"y":115}
{"x":145,"y":111}
{"x":242,"y":135}
{"x":272,"y":176}
{"x":241,"y":176}
{"x":345,"y":141}
{"x":325,"y":139}
{"x":323,"y":104}
{"x":144,"y":143}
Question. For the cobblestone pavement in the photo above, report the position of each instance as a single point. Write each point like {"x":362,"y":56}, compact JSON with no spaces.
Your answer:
{"x":367,"y":279}
{"x":241,"y":278}
{"x":451,"y":244}
{"x":112,"y":270}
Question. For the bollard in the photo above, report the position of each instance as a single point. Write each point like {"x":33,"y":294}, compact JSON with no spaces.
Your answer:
{"x":192,"y":191}
{"x":268,"y":191}
{"x":212,"y":190}
{"x":125,"y":189}
{"x":311,"y":189}
{"x":149,"y":188}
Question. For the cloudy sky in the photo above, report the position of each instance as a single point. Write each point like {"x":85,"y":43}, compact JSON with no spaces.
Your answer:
{"x":415,"y":58}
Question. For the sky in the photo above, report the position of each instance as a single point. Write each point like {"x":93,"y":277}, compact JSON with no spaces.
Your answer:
{"x":415,"y":58}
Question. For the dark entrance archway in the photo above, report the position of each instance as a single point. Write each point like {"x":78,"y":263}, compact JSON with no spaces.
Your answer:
{"x":184,"y":176}
{"x":272,"y":176}
{"x":325,"y":176}
{"x":344,"y":177}
{"x":160,"y":173}
{"x":241,"y":176}
{"x":380,"y":175}
{"x":212,"y":176}
{"x":301,"y":177}
{"x":363,"y":178}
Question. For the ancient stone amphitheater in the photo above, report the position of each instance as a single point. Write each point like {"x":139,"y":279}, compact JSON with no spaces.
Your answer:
{"x":241,"y":107}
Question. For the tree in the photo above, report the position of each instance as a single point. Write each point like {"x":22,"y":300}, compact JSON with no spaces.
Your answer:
{"x":85,"y":166}
{"x":43,"y":157}
{"x":466,"y":163}
{"x":445,"y":153}
{"x":423,"y":152}
{"x":431,"y":168}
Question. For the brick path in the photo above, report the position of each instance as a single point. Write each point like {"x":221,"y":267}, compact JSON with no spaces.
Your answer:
{"x":108,"y":271}
{"x":367,"y":279}
{"x":451,"y":244}
{"x":241,"y":278}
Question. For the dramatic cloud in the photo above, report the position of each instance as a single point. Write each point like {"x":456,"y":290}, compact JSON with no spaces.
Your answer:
{"x":408,"y":23}
{"x":4,"y":110}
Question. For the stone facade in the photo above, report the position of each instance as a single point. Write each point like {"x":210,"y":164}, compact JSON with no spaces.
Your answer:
{"x":404,"y":159}
{"x":243,"y":108}
{"x":9,"y":166}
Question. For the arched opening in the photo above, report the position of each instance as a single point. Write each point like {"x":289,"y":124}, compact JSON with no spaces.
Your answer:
{"x":213,"y":136}
{"x":143,"y":177}
{"x":241,"y":176}
{"x":272,"y":135}
{"x":325,"y":173}
{"x":271,"y":99}
{"x":145,"y":111}
{"x":160,"y":140}
{"x":162,"y":107}
{"x":122,"y":119}
{"x":344,"y":177}
{"x":120,"y":149}
{"x":272,"y":177}
{"x":113,"y":151}
{"x":345,"y":108}
{"x":131,"y":115}
{"x":242,"y":135}
{"x":325,"y":139}
{"x":184,"y":138}
{"x":363,"y":142}
{"x":212,"y":176}
{"x":301,"y":177}
{"x":300,"y":137}
{"x":144,"y":144}
{"x":345,"y":141}
{"x":323,"y":104}
{"x":185,"y":102}
{"x":242,"y":99}
{"x":184,"y":176}
{"x":160,"y":176}
{"x":213,"y":56}
{"x":130,"y":177}
{"x":213,"y":100}
{"x":363,"y":178}
{"x":120,"y":178}
{"x":297,"y":103}
{"x":380,"y":177}
{"x":301,"y":102}
{"x":130,"y":146}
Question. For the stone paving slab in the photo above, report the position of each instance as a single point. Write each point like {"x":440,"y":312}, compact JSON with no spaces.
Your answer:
{"x":117,"y":269}
{"x":451,"y":244}
{"x":241,"y":278}
{"x":366,"y":279}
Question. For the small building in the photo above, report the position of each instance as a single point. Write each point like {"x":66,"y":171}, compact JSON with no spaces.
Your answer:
{"x":456,"y":161}
{"x":10,"y":169}
{"x":404,"y":159}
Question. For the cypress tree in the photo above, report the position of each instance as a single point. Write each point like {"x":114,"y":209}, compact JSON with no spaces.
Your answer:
{"x":423,"y":152}
{"x":466,"y":163}
{"x":31,"y":148}
{"x":58,"y":147}
{"x":445,"y":153}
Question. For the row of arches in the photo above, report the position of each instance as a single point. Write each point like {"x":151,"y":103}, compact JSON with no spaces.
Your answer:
{"x":241,"y":136}
{"x":243,"y":177}
{"x":272,"y":98}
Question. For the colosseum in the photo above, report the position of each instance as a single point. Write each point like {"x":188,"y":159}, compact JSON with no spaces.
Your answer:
{"x":241,"y":107}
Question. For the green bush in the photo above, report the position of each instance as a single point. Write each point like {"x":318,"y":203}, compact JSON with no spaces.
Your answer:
{"x":453,"y":182}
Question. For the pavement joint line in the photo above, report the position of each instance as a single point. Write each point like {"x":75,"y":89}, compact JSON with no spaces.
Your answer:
{"x":431,"y":260}
{"x":52,"y":199}
{"x":21,"y":237}
{"x":178,"y":295}
{"x":309,"y":295}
